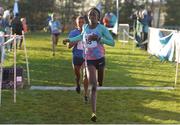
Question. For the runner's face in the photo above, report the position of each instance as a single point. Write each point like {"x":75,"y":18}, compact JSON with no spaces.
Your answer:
{"x":93,"y":17}
{"x":80,"y":23}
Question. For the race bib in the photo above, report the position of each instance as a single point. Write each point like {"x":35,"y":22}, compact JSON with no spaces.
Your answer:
{"x":91,"y":44}
{"x":80,"y":45}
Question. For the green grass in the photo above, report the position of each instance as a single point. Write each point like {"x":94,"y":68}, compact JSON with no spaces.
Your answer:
{"x":124,"y":67}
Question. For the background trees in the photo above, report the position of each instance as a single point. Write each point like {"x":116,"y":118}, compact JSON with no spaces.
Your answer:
{"x":173,"y":13}
{"x":36,"y":11}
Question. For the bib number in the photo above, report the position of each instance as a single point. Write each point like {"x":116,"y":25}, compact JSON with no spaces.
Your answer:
{"x":91,"y":44}
{"x":80,"y":45}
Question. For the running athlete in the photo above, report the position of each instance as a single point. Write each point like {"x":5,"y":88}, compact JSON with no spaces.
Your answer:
{"x":55,"y":31}
{"x":94,"y":36}
{"x":78,"y":58}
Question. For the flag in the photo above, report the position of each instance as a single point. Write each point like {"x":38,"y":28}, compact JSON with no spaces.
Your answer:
{"x":162,"y":47}
{"x":99,"y":6}
{"x":115,"y":28}
{"x":15,"y":9}
{"x":113,"y":22}
{"x":177,"y":51}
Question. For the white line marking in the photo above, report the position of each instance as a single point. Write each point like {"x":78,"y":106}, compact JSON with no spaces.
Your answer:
{"x":99,"y":88}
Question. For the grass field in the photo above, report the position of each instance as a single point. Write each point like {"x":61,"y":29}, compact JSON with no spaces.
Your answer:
{"x":124,"y":67}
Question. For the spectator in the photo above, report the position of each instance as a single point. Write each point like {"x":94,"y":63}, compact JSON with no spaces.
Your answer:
{"x":78,"y":57}
{"x":17,"y":28}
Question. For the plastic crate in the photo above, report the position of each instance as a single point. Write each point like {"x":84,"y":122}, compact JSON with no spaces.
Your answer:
{"x":8,"y":78}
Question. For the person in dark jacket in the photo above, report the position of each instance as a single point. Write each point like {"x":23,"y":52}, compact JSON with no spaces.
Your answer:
{"x":17,"y":28}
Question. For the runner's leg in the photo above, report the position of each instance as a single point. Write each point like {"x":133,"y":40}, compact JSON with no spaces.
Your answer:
{"x":53,"y":44}
{"x":91,"y":74}
{"x":100,"y":75}
{"x":77,"y":72}
{"x":85,"y":83}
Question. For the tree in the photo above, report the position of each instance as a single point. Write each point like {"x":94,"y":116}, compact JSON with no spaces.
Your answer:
{"x":173,"y":16}
{"x":36,"y":12}
{"x":7,"y":4}
{"x":126,"y":11}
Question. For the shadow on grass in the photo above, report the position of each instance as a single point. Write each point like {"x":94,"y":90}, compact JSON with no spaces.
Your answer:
{"x":138,"y":107}
{"x":136,"y":69}
{"x":113,"y":107}
{"x":51,"y":72}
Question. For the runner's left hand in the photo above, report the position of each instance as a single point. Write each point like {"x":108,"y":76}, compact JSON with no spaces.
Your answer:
{"x":66,"y":41}
{"x":93,"y":37}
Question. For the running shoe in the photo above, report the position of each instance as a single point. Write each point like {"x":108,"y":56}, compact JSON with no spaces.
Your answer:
{"x":78,"y":89}
{"x":86,"y":99}
{"x":100,"y":84}
{"x":93,"y":117}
